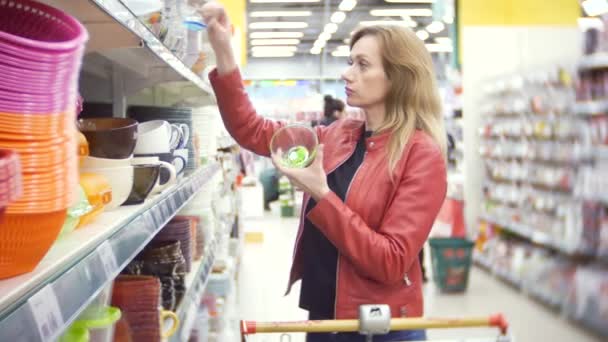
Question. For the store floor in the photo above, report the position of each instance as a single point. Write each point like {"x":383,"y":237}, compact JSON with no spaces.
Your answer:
{"x":264,"y":272}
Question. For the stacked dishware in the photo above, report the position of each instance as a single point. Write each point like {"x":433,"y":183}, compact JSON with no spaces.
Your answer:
{"x":41,"y":51}
{"x":207,"y":125}
{"x":10,"y":179}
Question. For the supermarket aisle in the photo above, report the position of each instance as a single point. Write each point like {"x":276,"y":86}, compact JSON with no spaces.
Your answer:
{"x":265,"y":270}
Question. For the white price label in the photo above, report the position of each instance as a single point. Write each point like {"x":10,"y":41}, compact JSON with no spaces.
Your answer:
{"x":187,"y":325}
{"x":47,"y":314}
{"x":108,"y":259}
{"x":172,"y":203}
{"x":158,"y":216}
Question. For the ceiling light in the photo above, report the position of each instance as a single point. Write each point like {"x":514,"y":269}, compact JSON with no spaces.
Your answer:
{"x":277,"y":25}
{"x":331,"y":28}
{"x":325,"y":36}
{"x":346,"y":41}
{"x":278,"y":1}
{"x":275,"y":42}
{"x":266,"y":35}
{"x":410,"y":1}
{"x":315,"y":51}
{"x":338,"y":17}
{"x":438,"y":47}
{"x":387,"y":22}
{"x":595,"y":7}
{"x":443,"y":40}
{"x":343,"y":47}
{"x":397,"y":12}
{"x":347,"y":5}
{"x":272,"y":54}
{"x":448,"y":19}
{"x":341,"y":53}
{"x":423,"y":35}
{"x":589,"y":23}
{"x":435,"y":27}
{"x":261,"y":14}
{"x":288,"y":48}
{"x":320,"y":44}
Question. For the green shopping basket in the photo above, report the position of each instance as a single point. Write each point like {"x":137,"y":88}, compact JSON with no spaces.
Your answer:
{"x":451,"y":258}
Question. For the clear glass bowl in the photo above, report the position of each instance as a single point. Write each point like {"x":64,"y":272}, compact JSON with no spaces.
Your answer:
{"x":295,"y":145}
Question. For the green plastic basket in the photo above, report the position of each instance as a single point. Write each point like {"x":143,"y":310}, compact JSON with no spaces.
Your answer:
{"x":451,"y":259}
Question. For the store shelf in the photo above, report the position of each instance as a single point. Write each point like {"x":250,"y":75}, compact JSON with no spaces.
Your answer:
{"x":116,"y":34}
{"x":591,"y":107}
{"x":39,"y":305}
{"x":500,"y":274}
{"x":195,"y":288}
{"x":594,"y":61}
{"x":524,"y":231}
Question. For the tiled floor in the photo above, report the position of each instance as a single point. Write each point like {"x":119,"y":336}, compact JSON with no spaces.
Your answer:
{"x":264,"y":274}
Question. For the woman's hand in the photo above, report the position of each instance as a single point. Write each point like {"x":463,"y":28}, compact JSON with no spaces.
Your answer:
{"x":311,"y":180}
{"x":219,"y":31}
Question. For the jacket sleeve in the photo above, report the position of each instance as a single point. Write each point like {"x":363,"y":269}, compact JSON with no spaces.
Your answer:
{"x":250,"y":130}
{"x":386,"y":254}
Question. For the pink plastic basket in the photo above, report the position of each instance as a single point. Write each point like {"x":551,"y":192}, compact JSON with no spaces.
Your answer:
{"x":35,"y":26}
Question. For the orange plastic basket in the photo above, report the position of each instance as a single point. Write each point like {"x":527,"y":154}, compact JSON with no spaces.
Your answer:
{"x":25,"y":239}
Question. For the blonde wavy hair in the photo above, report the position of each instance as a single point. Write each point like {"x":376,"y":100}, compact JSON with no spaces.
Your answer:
{"x":413,"y":101}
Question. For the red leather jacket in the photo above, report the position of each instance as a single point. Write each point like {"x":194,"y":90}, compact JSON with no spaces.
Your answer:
{"x":381,"y":228}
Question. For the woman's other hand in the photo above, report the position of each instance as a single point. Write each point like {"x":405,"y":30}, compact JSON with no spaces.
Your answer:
{"x":311,"y":180}
{"x":219,"y":31}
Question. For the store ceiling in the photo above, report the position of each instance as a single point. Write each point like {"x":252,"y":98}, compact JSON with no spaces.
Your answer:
{"x":309,"y":23}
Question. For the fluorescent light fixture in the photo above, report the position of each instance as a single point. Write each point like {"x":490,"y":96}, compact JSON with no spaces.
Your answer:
{"x":589,"y":23}
{"x":443,"y":40}
{"x":267,"y":35}
{"x":275,"y":42}
{"x":399,"y":12}
{"x":595,"y":7}
{"x":343,"y":47}
{"x":331,"y":28}
{"x":278,"y":25}
{"x":438,"y":47}
{"x":262,"y":14}
{"x":315,"y":51}
{"x":347,"y":5}
{"x":319,"y":44}
{"x":279,"y":1}
{"x":448,"y":19}
{"x":341,"y":53}
{"x":270,"y":54}
{"x":435,"y":27}
{"x":288,"y":48}
{"x":387,"y":22}
{"x":410,"y":1}
{"x":423,"y":35}
{"x":325,"y":36}
{"x":338,"y":17}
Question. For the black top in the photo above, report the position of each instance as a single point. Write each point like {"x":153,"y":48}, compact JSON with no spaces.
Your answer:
{"x":320,"y":258}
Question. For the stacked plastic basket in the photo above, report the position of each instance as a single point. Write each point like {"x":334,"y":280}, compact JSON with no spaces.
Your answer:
{"x":41,"y":50}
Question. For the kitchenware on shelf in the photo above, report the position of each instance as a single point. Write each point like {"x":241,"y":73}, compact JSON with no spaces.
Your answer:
{"x":166,"y":169}
{"x":11,"y":187}
{"x":94,"y":162}
{"x":180,"y":229}
{"x":295,"y":145}
{"x":100,"y":324}
{"x":181,"y":160}
{"x":112,"y":138}
{"x":165,"y":175}
{"x":145,"y":179}
{"x":121,"y":183}
{"x":76,"y":211}
{"x":136,"y":293}
{"x":159,"y":136}
{"x":25,"y":239}
{"x":99,"y":194}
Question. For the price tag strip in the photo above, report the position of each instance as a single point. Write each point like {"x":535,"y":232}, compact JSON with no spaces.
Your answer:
{"x":108,"y":259}
{"x":48,"y":317}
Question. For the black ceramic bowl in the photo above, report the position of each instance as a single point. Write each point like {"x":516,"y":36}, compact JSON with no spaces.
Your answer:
{"x":145,"y":178}
{"x":112,"y":138}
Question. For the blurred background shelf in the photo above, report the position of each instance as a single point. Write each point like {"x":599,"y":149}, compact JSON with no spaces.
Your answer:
{"x":79,"y":266}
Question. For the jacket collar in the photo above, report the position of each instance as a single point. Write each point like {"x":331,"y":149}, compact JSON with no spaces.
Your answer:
{"x":353,"y":130}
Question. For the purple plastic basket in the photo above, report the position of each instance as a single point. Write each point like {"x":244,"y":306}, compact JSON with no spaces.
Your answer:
{"x":33,"y":25}
{"x":19,"y":62}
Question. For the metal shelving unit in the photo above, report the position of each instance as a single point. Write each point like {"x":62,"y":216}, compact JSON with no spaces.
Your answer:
{"x":39,"y":305}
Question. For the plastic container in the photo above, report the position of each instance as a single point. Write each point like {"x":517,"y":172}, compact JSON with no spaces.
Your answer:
{"x":295,"y":145}
{"x":76,"y":334}
{"x":451,"y":260}
{"x":101,"y":327}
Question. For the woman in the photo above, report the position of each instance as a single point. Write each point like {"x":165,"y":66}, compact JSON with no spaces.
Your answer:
{"x":333,"y":110}
{"x":374,"y":188}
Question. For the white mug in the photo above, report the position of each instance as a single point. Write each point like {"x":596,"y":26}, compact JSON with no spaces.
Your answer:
{"x":155,"y":161}
{"x":157,"y":136}
{"x":184,"y":131}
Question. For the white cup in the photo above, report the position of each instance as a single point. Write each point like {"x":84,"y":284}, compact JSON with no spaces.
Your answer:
{"x":163,"y":165}
{"x":159,"y":136}
{"x":89,"y":162}
{"x":181,"y":162}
